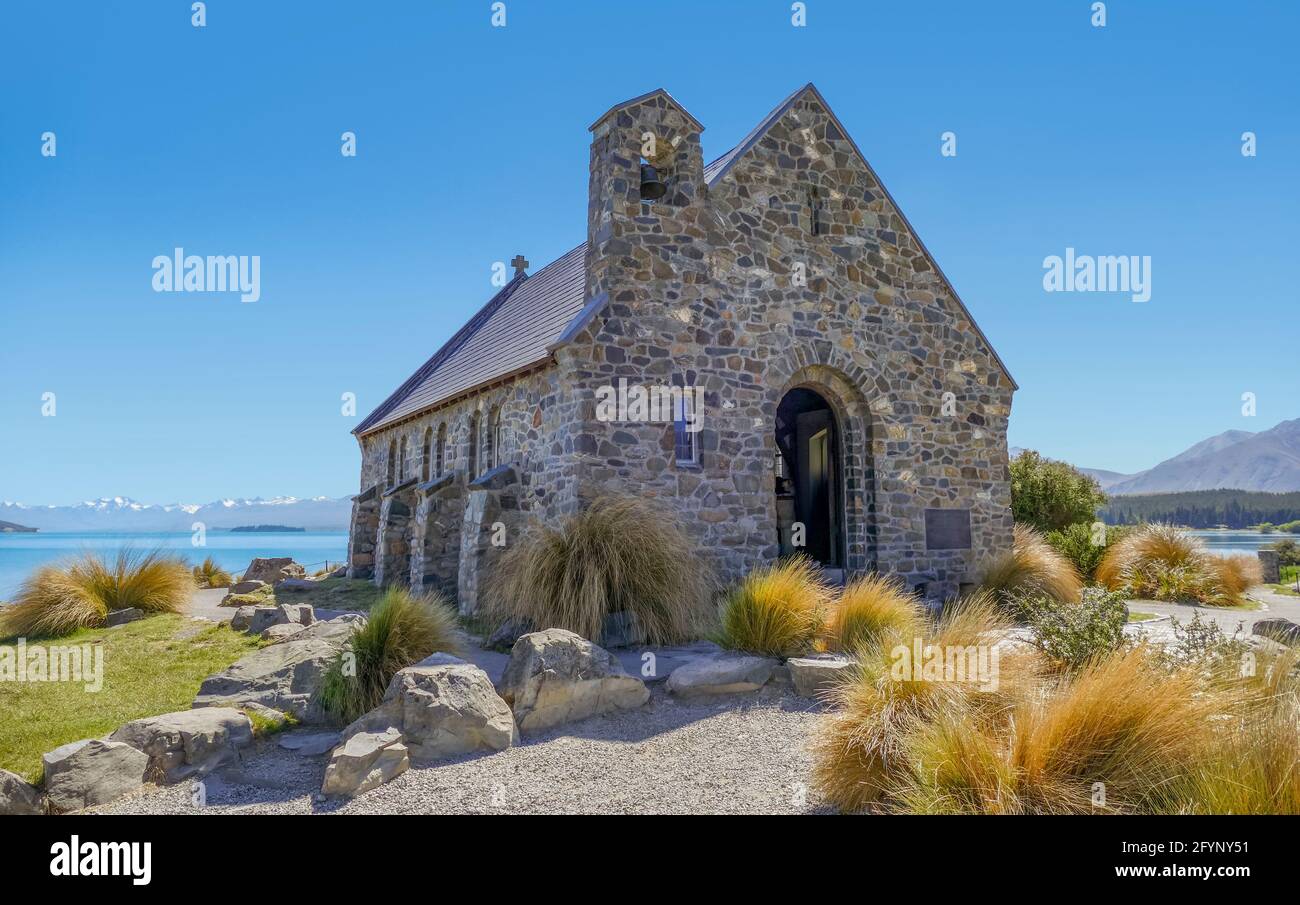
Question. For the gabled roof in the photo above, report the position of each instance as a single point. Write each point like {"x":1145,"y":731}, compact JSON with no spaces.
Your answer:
{"x":520,"y":327}
{"x":510,"y":334}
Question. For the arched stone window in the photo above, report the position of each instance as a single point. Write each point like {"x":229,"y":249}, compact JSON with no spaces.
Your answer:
{"x":401,"y":464}
{"x":442,"y":447}
{"x":392,"y":462}
{"x":473,"y":446}
{"x":425,"y":454}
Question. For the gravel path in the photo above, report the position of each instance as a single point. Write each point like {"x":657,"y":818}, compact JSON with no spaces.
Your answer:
{"x":739,"y":755}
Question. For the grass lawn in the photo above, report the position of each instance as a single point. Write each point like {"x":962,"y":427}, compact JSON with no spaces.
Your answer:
{"x":333,"y":594}
{"x":1288,"y":589}
{"x":147,"y":671}
{"x":1135,"y":616}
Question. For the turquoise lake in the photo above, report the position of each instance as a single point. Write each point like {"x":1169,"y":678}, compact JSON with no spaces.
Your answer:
{"x":21,"y":553}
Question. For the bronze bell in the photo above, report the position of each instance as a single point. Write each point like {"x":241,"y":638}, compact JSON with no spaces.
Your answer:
{"x":652,"y":189}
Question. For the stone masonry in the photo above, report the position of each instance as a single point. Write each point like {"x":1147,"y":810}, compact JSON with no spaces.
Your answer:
{"x":785,"y":265}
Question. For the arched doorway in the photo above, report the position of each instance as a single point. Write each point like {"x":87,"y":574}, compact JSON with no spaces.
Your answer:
{"x":809,"y":478}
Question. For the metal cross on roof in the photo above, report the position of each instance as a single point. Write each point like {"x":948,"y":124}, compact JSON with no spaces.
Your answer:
{"x":520,"y":263}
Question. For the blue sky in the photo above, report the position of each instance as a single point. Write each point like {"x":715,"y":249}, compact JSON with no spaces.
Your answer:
{"x":472,"y":146}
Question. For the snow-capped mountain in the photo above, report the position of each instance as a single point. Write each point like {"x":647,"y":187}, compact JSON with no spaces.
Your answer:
{"x":124,"y":514}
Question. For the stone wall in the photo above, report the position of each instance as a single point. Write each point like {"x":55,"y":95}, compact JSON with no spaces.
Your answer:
{"x":793,"y":270}
{"x":730,"y":288}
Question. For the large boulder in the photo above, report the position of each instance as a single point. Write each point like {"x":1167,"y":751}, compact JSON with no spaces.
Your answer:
{"x":444,"y":708}
{"x":273,"y":569}
{"x":365,"y":761}
{"x":816,"y":677}
{"x":1284,"y":631}
{"x":18,"y":796}
{"x":257,"y":619}
{"x":92,"y":772}
{"x":721,"y":674}
{"x":188,"y":743}
{"x":282,"y":676}
{"x":247,"y":587}
{"x":337,"y":631}
{"x":555,"y":677}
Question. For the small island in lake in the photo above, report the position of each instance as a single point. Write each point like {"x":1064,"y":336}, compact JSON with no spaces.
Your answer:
{"x":11,"y":528}
{"x":265,"y":529}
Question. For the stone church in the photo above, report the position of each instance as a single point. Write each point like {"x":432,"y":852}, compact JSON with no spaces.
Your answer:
{"x":832,"y":393}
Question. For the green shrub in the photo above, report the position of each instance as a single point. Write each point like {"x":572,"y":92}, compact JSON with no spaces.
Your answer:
{"x":1287,"y":550}
{"x":1079,"y":544}
{"x":1050,"y":495}
{"x":621,"y":554}
{"x":1074,"y":634}
{"x":401,"y":629}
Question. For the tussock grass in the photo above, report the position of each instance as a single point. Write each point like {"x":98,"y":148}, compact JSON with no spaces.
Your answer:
{"x":870,"y":608}
{"x":1032,"y":568}
{"x":1161,"y":562}
{"x":210,"y":575}
{"x":621,"y":554}
{"x":778,"y":610}
{"x":1254,"y":768}
{"x":860,"y":752}
{"x":80,"y":592}
{"x":401,"y":629}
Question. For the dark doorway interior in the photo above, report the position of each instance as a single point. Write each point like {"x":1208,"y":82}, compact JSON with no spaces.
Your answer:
{"x":808,"y":484}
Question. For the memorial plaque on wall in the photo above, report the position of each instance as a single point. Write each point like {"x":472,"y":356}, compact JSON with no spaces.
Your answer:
{"x":947,"y":529}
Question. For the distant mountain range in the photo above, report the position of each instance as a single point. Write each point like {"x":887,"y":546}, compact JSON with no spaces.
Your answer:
{"x":126,"y":515}
{"x":1267,"y":461}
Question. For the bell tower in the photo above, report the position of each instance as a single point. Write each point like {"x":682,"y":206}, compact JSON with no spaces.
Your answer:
{"x":646,"y":165}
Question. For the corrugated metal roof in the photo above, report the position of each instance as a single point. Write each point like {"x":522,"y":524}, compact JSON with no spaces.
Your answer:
{"x":518,"y":328}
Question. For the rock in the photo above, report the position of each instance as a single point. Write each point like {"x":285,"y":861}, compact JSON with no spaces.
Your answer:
{"x":17,"y":796}
{"x":622,"y":630}
{"x":815,"y":677}
{"x":505,"y":635}
{"x":91,"y":772}
{"x":296,"y":584}
{"x":273,"y":569}
{"x":1283,"y":631}
{"x":283,"y":676}
{"x":274,"y":718}
{"x":247,"y":587}
{"x":238,"y":600}
{"x":122,"y":617}
{"x":340,"y":572}
{"x":310,"y":744}
{"x":243,"y":618}
{"x":440,"y":659}
{"x":721,"y":674}
{"x":284,"y":632}
{"x":188,"y":743}
{"x":555,"y":677}
{"x":337,"y":631}
{"x":442,"y":710}
{"x":365,"y":761}
{"x":257,"y":619}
